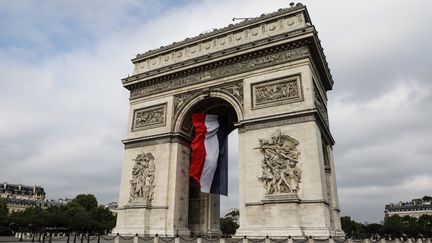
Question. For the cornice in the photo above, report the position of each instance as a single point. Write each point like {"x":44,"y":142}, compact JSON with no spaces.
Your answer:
{"x":215,"y":32}
{"x":249,"y":47}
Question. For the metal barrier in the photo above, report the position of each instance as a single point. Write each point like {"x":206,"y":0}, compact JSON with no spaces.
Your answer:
{"x":49,"y":237}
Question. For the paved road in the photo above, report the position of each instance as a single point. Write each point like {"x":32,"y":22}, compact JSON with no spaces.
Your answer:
{"x":9,"y":239}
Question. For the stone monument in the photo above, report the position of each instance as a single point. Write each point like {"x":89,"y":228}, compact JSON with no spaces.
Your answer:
{"x":269,"y":76}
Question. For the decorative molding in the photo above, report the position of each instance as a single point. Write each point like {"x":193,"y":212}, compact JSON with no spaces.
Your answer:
{"x":276,"y":92}
{"x":153,"y":140}
{"x":143,"y":176}
{"x":253,"y":62}
{"x":180,"y":100}
{"x":281,"y":175}
{"x":282,"y":21}
{"x":149,"y":117}
{"x":235,"y":89}
{"x":294,"y":199}
{"x":320,"y":105}
{"x":276,"y":122}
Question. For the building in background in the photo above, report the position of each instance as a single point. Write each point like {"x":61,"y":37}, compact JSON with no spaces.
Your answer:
{"x":18,"y":197}
{"x":415,"y":208}
{"x":112,"y":206}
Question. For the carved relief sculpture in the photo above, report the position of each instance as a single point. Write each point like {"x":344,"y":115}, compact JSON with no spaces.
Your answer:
{"x":280,"y":170}
{"x":276,"y":92}
{"x":143,"y":176}
{"x":321,"y":107}
{"x":224,"y":70}
{"x":149,"y":117}
{"x":236,"y":89}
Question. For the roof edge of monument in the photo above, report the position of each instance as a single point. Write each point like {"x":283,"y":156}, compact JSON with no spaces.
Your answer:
{"x":216,"y":32}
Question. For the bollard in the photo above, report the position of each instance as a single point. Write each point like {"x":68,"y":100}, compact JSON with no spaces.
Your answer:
{"x":67,"y":239}
{"x":98,"y":240}
{"x":50,"y":237}
{"x":117,"y":238}
{"x":21,"y":235}
{"x":290,"y":240}
{"x":135,"y":239}
{"x":245,"y":240}
{"x":177,"y":238}
{"x":156,"y":239}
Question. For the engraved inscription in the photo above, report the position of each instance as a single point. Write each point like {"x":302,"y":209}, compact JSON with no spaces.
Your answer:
{"x":149,"y":117}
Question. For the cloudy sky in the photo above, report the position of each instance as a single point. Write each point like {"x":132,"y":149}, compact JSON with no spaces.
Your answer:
{"x":63,"y":110}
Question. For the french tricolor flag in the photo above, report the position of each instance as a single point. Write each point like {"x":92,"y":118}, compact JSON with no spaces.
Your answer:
{"x":209,"y":164}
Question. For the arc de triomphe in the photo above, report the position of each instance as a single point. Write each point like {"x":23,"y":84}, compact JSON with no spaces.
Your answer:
{"x":269,"y":76}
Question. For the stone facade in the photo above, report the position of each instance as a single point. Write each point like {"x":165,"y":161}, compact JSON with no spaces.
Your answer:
{"x":270,"y":77}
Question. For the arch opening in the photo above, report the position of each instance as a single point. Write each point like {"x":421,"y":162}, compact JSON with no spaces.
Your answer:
{"x":204,"y":210}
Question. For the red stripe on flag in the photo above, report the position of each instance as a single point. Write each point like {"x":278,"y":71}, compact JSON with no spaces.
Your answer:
{"x":198,"y":148}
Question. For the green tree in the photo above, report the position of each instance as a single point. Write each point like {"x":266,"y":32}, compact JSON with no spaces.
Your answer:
{"x":3,"y":212}
{"x":87,"y":201}
{"x":78,"y":219}
{"x":411,"y":227}
{"x":55,"y":217}
{"x":425,"y":223}
{"x":4,"y":218}
{"x":228,"y":226}
{"x":351,"y":227}
{"x":372,"y":229}
{"x":393,"y":226}
{"x":104,"y":218}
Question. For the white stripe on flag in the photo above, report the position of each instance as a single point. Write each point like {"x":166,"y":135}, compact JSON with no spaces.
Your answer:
{"x":211,"y":144}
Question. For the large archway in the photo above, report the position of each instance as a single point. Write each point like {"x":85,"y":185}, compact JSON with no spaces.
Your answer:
{"x":204,"y":208}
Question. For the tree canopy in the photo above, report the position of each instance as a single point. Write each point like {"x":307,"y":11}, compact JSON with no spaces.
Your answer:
{"x":394,"y":226}
{"x":82,"y":214}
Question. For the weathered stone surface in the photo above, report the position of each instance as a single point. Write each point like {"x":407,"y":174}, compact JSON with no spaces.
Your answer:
{"x":271,"y":77}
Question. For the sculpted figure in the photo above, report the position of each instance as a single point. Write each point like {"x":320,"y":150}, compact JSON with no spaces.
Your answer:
{"x":143,"y":175}
{"x":280,"y":172}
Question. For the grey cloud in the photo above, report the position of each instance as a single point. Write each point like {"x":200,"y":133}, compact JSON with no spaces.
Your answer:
{"x":64,"y":114}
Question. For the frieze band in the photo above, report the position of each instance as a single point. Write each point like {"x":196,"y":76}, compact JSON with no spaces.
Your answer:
{"x":149,"y":117}
{"x":228,"y":69}
{"x":279,"y":91}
